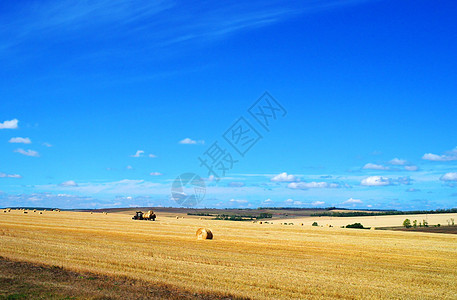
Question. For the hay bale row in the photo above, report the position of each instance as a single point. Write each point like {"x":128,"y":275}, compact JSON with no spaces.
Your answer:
{"x":204,"y":234}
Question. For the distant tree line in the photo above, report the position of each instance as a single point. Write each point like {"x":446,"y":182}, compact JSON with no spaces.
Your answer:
{"x":243,"y":217}
{"x":383,"y":213}
{"x":200,"y":214}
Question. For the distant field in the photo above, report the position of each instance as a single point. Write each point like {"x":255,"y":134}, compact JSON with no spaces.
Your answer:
{"x":374,"y":221}
{"x":245,"y":259}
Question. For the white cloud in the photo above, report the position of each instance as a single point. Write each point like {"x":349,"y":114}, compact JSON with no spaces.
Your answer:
{"x":412,"y":190}
{"x":312,"y":185}
{"x":449,"y":177}
{"x":236,"y":184}
{"x":449,"y":156}
{"x":20,"y":140}
{"x":376,"y":181}
{"x":12,"y":124}
{"x":284,"y":177}
{"x":239,"y":201}
{"x":3,"y":175}
{"x":129,"y":167}
{"x":411,"y":168}
{"x":298,"y":203}
{"x":27,"y":152}
{"x":71,"y":183}
{"x":289,"y":200}
{"x":155,"y":174}
{"x":210,"y":178}
{"x":353,"y":201}
{"x":47,"y":145}
{"x":141,"y":153}
{"x":371,"y":166}
{"x":138,"y":153}
{"x":188,"y":141}
{"x":398,"y":162}
{"x":318,"y":203}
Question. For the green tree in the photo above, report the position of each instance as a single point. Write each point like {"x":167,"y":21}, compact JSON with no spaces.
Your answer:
{"x":315,"y":224}
{"x":407,"y":223}
{"x":415,"y":223}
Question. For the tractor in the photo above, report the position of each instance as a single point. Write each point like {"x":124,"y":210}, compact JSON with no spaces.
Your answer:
{"x":139,"y":215}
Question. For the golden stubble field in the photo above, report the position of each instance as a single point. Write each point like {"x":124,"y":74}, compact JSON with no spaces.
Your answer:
{"x":244,"y":259}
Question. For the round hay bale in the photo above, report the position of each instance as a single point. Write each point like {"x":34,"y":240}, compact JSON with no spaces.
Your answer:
{"x":204,"y":234}
{"x":177,"y":217}
{"x":260,"y":222}
{"x":372,"y":228}
{"x":41,"y":212}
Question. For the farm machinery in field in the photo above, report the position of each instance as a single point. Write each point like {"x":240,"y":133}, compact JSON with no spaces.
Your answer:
{"x":139,"y":215}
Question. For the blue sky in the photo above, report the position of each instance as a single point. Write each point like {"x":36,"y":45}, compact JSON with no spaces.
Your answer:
{"x":104,"y":104}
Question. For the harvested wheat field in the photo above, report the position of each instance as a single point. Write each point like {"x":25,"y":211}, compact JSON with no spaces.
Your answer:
{"x":243,"y":259}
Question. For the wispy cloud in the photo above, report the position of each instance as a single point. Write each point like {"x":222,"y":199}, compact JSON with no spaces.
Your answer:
{"x":353,"y":201}
{"x":189,"y":141}
{"x":4,"y":175}
{"x":371,"y":166}
{"x":70,"y":183}
{"x":236,"y":184}
{"x":398,"y":162}
{"x":411,"y":168}
{"x":448,"y":156}
{"x":11,"y":124}
{"x":28,"y":152}
{"x":150,"y":24}
{"x":20,"y":140}
{"x":312,"y":185}
{"x":139,"y":153}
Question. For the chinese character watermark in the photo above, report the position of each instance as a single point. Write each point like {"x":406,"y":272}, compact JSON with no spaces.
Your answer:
{"x":189,"y":189}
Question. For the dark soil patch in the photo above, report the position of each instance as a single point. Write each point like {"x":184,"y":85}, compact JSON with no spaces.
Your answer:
{"x":431,"y":229}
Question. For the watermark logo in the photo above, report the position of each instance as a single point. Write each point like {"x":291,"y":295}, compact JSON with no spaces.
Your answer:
{"x":242,"y":136}
{"x":221,"y":156}
{"x":188,"y":189}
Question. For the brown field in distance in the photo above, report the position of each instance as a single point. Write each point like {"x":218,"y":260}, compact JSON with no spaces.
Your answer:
{"x":244,"y":259}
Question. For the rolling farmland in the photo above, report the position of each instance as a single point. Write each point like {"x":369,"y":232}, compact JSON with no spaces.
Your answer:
{"x":244,"y":259}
